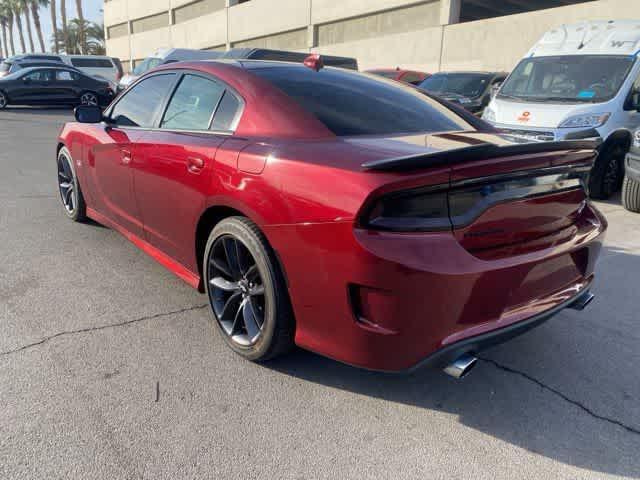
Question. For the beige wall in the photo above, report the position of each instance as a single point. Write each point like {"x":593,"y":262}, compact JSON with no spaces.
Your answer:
{"x":379,"y":33}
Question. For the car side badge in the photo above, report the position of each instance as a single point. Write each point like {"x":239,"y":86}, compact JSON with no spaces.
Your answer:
{"x":314,"y":62}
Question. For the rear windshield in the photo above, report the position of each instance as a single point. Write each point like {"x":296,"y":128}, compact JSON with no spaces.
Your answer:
{"x":350,"y":103}
{"x":91,"y":63}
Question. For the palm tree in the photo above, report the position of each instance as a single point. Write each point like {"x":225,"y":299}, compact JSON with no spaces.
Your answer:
{"x":54,"y":25}
{"x":65,"y":30}
{"x":92,"y":32}
{"x":25,"y":10}
{"x":81,"y":24}
{"x":16,"y":8}
{"x":35,"y":6}
{"x":4,"y":23}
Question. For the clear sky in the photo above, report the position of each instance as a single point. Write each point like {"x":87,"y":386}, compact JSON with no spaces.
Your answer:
{"x":92,"y":10}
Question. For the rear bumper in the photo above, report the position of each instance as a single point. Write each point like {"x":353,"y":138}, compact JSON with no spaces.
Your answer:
{"x":392,"y":302}
{"x":447,"y":355}
{"x":632,"y":166}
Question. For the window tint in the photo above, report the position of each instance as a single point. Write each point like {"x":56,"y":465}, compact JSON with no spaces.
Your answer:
{"x":65,"y":76}
{"x":40,"y":76}
{"x":466,"y":84}
{"x":140,"y":104}
{"x":349,"y":103}
{"x":226,"y":113}
{"x":193,"y":104}
{"x":91,"y":63}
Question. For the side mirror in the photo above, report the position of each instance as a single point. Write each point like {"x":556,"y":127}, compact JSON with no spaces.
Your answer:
{"x":88,"y":114}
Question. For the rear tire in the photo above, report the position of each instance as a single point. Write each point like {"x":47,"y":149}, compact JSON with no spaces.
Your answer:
{"x":631,"y":195}
{"x":607,"y":172}
{"x":248,"y":296}
{"x":69,"y":187}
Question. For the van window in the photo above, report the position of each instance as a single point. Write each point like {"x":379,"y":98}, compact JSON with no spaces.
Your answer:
{"x":146,"y":65}
{"x":91,"y":63}
{"x":570,"y":78}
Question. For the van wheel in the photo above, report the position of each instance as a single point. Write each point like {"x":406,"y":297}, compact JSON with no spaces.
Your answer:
{"x":631,"y":195}
{"x":607,"y":172}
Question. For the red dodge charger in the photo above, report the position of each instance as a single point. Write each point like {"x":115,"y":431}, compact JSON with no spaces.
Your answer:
{"x":348,"y":214}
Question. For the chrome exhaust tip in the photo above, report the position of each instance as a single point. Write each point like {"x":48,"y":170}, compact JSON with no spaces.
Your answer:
{"x":461,"y":366}
{"x":582,"y":302}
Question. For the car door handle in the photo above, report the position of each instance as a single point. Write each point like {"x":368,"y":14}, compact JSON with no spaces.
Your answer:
{"x":195,"y":165}
{"x":126,"y":157}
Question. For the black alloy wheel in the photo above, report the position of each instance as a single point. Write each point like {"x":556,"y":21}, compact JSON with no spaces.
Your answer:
{"x":3,"y":100}
{"x":236,"y":290}
{"x":68,"y":186}
{"x":247,"y":293}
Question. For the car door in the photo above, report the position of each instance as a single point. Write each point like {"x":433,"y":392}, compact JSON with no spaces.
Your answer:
{"x":173,"y":170}
{"x":112,"y":157}
{"x":66,"y":85}
{"x":35,"y":86}
{"x":631,"y":115}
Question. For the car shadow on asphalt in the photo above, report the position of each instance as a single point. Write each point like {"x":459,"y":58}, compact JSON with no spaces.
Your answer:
{"x":507,"y":395}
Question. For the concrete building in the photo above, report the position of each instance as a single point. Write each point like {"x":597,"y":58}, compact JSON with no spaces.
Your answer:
{"x":429,"y":35}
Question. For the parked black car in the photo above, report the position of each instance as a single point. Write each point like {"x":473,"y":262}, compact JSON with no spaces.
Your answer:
{"x":7,"y":68}
{"x":53,"y":86}
{"x":631,"y":183}
{"x":472,"y":90}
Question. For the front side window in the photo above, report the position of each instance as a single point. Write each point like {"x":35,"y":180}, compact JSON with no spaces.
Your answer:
{"x":349,"y":103}
{"x":571,"y":78}
{"x":468,"y":85}
{"x":193,"y":104}
{"x":5,"y":67}
{"x":140,"y":105}
{"x":40,"y":76}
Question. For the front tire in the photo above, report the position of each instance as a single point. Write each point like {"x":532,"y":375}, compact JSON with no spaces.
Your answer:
{"x":4,"y":101}
{"x":89,"y":99}
{"x":69,"y":187}
{"x":607,"y":172}
{"x":247,"y":293}
{"x":631,"y":195}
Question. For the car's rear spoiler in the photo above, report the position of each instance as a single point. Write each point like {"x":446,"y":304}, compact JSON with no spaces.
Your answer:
{"x":482,"y":151}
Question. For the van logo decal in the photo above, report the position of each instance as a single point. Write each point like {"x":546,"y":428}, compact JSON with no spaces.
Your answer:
{"x":524,"y":117}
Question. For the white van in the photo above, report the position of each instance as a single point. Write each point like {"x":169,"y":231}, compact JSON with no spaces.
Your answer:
{"x":95,"y":65}
{"x":578,"y":81}
{"x":166,"y":55}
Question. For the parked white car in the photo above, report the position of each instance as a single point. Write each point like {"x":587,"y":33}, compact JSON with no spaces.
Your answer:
{"x":578,"y":81}
{"x":163,"y":56}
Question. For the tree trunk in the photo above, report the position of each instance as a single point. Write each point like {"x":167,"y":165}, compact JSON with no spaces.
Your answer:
{"x":36,"y":22}
{"x":81,"y":33}
{"x":3,"y":44}
{"x":18,"y":20}
{"x":54,"y":25}
{"x":25,"y":8}
{"x":65,"y":30}
{"x":10,"y":28}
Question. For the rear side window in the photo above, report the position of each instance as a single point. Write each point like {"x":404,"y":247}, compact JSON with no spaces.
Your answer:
{"x":66,"y":76}
{"x":91,"y":63}
{"x":142,"y":102}
{"x":193,"y":104}
{"x":354,"y":104}
{"x":226,"y":113}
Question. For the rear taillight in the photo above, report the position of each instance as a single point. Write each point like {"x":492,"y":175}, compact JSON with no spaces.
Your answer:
{"x":412,"y":210}
{"x":460,"y":203}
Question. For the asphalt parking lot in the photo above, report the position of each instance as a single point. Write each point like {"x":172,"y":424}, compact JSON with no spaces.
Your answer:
{"x":109,"y":369}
